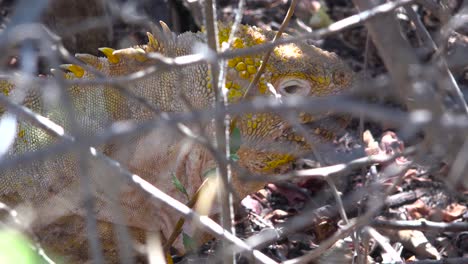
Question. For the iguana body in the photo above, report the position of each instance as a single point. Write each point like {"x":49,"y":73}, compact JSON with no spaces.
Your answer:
{"x":53,"y":187}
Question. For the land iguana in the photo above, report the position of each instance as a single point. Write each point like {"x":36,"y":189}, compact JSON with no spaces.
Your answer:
{"x":269,"y":144}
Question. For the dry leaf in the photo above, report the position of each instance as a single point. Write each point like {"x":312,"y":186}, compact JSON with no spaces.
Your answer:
{"x":418,"y":210}
{"x":453,"y":211}
{"x":417,"y":242}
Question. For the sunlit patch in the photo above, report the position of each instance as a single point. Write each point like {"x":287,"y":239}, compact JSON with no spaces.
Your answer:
{"x":289,"y":51}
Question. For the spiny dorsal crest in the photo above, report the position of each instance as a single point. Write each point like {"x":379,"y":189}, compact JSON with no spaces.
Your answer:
{"x":161,"y":40}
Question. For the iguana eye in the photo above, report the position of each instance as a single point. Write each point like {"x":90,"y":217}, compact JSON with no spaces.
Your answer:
{"x":294,"y":87}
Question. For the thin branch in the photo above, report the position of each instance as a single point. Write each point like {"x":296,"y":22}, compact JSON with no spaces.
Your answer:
{"x":382,"y":241}
{"x":421,"y":225}
{"x":224,"y":195}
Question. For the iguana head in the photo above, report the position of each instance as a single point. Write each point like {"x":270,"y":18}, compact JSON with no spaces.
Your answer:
{"x":293,"y":69}
{"x":270,"y":144}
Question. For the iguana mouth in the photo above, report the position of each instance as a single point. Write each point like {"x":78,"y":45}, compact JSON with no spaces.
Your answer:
{"x":327,"y":127}
{"x":323,"y":129}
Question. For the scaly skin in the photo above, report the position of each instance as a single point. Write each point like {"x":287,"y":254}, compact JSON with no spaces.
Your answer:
{"x":269,"y":144}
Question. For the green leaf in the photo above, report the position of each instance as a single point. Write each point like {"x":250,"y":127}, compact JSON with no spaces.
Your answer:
{"x":179,"y":185}
{"x":209,"y":172}
{"x":189,"y":243}
{"x":235,"y":140}
{"x":15,"y":248}
{"x":234,"y":157}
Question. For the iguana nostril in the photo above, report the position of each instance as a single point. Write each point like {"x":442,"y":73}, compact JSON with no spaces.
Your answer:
{"x":341,"y":77}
